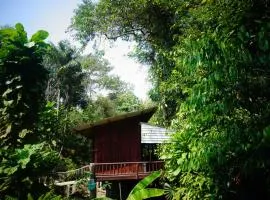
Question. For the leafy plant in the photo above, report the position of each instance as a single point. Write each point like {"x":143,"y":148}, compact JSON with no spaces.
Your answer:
{"x":141,"y":192}
{"x":23,"y":156}
{"x":48,"y":196}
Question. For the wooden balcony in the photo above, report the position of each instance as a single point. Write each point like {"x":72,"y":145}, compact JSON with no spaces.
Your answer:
{"x":125,"y":170}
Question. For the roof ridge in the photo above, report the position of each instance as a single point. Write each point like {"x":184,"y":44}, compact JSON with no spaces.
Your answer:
{"x":116,"y":118}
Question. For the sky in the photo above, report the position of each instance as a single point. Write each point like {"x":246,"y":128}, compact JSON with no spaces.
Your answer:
{"x":54,"y":16}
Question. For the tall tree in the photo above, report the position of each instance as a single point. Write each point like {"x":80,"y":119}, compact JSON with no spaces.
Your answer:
{"x":126,"y":102}
{"x":149,"y":23}
{"x":209,"y":63}
{"x":98,"y":76}
{"x":65,"y":84}
{"x":116,"y":103}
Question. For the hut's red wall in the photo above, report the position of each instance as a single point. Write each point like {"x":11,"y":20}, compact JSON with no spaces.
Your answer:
{"x":119,"y":142}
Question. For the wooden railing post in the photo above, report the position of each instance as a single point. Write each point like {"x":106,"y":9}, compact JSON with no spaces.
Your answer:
{"x":137,"y":174}
{"x":125,"y":170}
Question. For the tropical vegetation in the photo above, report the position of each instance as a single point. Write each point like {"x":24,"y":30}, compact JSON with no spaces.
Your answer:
{"x":140,"y":190}
{"x":24,"y":154}
{"x":209,"y":64}
{"x":45,"y":91}
{"x":209,"y":67}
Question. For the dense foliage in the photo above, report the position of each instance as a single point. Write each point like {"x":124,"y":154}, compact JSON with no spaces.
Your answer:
{"x":65,"y":84}
{"x":45,"y":91}
{"x":24,"y":155}
{"x":80,"y":89}
{"x":210,"y":69}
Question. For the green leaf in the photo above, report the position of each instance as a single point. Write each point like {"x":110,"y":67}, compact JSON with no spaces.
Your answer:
{"x":54,"y":143}
{"x":23,"y":133}
{"x":6,"y":133}
{"x":6,"y":92}
{"x":145,"y":182}
{"x":19,"y":27}
{"x":29,"y":197}
{"x":39,"y":36}
{"x":50,"y":196}
{"x":10,"y":197}
{"x":8,"y":130}
{"x":24,"y":155}
{"x":8,"y":103}
{"x":21,"y":33}
{"x":177,"y":171}
{"x":169,"y":191}
{"x":10,"y":170}
{"x":146,"y":193}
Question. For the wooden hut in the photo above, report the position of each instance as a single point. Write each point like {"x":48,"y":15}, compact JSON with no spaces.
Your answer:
{"x":123,"y":145}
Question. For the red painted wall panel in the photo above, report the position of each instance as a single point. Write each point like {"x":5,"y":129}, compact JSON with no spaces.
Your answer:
{"x":118,"y":142}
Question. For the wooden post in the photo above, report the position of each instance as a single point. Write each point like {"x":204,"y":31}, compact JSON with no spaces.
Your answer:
{"x":67,"y":190}
{"x":137,"y":173}
{"x":120,"y":190}
{"x":144,"y":168}
{"x":73,"y":189}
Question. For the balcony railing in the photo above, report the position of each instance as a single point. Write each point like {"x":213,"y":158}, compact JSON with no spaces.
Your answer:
{"x":125,"y":170}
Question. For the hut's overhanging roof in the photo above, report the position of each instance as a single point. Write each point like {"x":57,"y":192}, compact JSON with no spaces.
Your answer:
{"x":139,"y":116}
